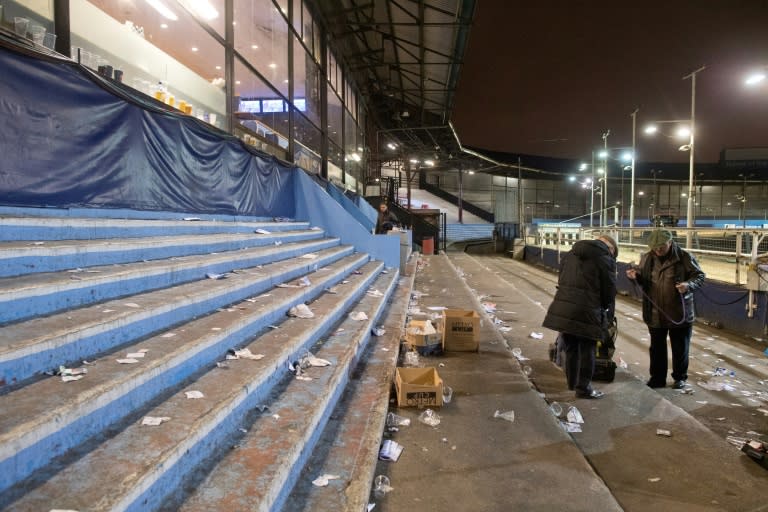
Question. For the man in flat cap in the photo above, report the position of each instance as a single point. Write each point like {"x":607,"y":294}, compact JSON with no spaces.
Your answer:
{"x":668,"y":275}
{"x":583,"y":308}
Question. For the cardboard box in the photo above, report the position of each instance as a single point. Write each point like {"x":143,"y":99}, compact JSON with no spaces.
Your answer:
{"x":422,"y":336}
{"x":418,"y":387}
{"x":461,"y":330}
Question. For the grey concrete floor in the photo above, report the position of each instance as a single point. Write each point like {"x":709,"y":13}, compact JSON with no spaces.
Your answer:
{"x":472,"y":461}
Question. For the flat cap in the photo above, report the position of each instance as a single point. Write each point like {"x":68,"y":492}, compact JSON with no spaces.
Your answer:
{"x":612,"y":241}
{"x":659,"y":237}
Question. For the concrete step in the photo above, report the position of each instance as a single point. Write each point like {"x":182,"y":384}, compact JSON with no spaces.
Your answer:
{"x":258,"y":474}
{"x":41,"y":344}
{"x":44,"y":293}
{"x":140,"y":467}
{"x":350,"y":443}
{"x":23,"y":257}
{"x":80,"y":228}
{"x":52,"y":416}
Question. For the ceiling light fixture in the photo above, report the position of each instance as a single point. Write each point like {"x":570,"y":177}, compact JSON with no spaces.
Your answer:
{"x":163,"y":9}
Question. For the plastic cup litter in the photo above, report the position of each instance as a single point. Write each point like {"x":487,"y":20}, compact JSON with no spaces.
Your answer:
{"x":49,"y":41}
{"x":38,"y":34}
{"x":20,"y":26}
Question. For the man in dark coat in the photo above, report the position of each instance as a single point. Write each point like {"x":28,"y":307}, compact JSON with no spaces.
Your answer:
{"x":668,"y":275}
{"x":386,"y":220}
{"x":583,"y":308}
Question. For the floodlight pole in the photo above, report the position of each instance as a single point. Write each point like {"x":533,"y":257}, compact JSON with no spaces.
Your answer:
{"x":691,"y":189}
{"x":632,"y":186}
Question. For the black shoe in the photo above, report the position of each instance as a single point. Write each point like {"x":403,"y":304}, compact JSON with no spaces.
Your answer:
{"x":594,"y":394}
{"x":653,"y":384}
{"x":679,"y":384}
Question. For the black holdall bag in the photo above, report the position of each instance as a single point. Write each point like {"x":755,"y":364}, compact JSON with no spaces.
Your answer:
{"x":605,"y":368}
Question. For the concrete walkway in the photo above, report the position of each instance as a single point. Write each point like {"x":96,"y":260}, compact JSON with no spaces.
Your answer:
{"x":472,"y":461}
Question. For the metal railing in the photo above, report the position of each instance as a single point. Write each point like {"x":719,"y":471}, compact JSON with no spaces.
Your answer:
{"x":724,"y":254}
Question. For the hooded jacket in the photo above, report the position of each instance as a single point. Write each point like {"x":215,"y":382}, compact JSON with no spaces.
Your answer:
{"x":658,"y":277}
{"x":585,"y":299}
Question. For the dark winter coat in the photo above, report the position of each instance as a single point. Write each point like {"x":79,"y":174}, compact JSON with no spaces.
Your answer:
{"x":585,"y":299}
{"x":658,"y":277}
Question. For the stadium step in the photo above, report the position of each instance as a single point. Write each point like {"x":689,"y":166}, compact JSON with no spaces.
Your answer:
{"x":176,"y":305}
{"x":138,"y":468}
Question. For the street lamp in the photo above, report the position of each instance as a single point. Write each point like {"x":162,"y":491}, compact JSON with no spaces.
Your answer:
{"x":605,"y":154}
{"x":691,"y":148}
{"x":593,"y":188}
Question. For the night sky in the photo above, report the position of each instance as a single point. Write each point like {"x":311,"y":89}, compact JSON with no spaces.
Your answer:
{"x":548,"y":78}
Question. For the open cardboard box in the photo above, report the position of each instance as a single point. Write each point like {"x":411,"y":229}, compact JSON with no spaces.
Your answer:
{"x":418,"y":387}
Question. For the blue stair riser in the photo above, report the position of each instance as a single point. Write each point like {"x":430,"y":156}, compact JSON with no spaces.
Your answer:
{"x":67,"y":435}
{"x":243,"y":405}
{"x":15,"y":369}
{"x":70,"y":230}
{"x":324,"y":415}
{"x":51,"y":261}
{"x":15,"y":307}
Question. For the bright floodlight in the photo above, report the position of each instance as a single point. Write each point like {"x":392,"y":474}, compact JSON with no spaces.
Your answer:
{"x":430,"y":163}
{"x":755,"y":79}
{"x":413,"y":161}
{"x":627,"y":156}
{"x":583,"y":167}
{"x":603,"y":154}
{"x":651,"y":129}
{"x":600,"y":170}
{"x":392,"y":146}
{"x":683,"y":131}
{"x":571,"y":178}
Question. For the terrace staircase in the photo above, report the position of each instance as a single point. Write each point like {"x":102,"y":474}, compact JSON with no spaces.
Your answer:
{"x":176,"y":298}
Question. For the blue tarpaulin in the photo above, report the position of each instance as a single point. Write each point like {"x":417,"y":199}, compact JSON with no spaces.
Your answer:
{"x":70,"y":140}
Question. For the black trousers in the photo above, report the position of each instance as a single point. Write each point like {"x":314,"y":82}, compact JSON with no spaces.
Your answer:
{"x":579,"y":362}
{"x":680,"y":340}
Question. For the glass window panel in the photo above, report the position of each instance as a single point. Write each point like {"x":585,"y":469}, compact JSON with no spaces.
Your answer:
{"x":308,"y":140}
{"x":335,"y":161}
{"x":268,"y":119}
{"x":332,"y":70}
{"x":306,"y":133}
{"x":169,"y":56}
{"x":350,"y":134}
{"x":261,"y":37}
{"x":283,"y":5}
{"x":335,"y":117}
{"x":296,"y":22}
{"x":317,"y":45}
{"x":306,"y":81}
{"x":307,"y":33}
{"x":37,"y":12}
